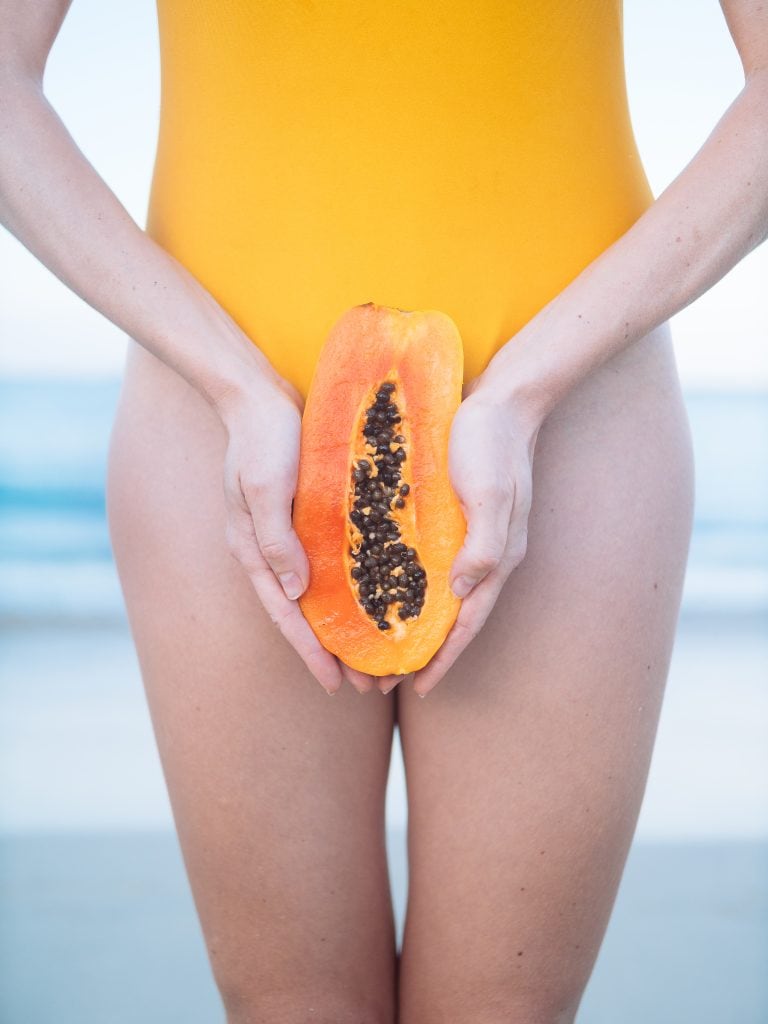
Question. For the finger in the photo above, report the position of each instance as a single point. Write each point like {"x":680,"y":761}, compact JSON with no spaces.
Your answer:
{"x":387,"y":683}
{"x":488,"y":517}
{"x":517,"y":534}
{"x":288,"y":617}
{"x":476,"y":608}
{"x":285,"y":613}
{"x":269,"y":506}
{"x":363,"y":682}
{"x":473,"y":613}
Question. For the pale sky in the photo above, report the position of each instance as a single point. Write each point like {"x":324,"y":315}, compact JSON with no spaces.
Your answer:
{"x":103,"y":79}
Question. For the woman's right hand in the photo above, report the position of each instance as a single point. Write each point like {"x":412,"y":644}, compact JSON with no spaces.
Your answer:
{"x":260,"y":474}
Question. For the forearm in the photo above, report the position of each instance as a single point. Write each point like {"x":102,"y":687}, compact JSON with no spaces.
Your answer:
{"x":712,"y":214}
{"x":56,"y":204}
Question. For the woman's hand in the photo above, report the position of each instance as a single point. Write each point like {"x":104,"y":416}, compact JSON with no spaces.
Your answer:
{"x":260,"y":474}
{"x":490,"y":459}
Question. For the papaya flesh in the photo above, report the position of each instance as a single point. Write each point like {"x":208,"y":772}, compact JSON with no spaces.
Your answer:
{"x":374,"y":507}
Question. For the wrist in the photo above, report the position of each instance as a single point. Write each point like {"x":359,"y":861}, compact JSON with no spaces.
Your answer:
{"x":548,"y":356}
{"x":515,"y":381}
{"x":236,"y":372}
{"x":241,"y":393}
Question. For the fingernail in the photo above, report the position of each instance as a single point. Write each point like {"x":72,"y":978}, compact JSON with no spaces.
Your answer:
{"x":331,"y":693}
{"x":462,"y":585}
{"x":396,"y":682}
{"x":421,"y":695}
{"x":291,"y":584}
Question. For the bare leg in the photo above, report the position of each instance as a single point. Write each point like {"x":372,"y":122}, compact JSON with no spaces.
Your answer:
{"x":527,"y":765}
{"x":277,"y":789}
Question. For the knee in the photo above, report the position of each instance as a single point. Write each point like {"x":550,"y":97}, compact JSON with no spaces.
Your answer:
{"x":525,"y":1009}
{"x":319,"y":1007}
{"x":487,"y":1006}
{"x":323,"y":1016}
{"x":512,"y":1015}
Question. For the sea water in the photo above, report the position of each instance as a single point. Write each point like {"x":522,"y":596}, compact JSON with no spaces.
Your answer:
{"x":55,"y":555}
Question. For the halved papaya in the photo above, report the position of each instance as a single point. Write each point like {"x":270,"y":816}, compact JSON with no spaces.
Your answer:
{"x":374,"y":507}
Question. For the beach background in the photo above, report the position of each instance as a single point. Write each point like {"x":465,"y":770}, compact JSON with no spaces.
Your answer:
{"x":96,"y":918}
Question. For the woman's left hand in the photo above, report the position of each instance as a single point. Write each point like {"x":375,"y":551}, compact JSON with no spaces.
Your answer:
{"x":490,"y":457}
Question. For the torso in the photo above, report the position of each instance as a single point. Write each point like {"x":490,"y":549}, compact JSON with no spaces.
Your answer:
{"x":465,"y":155}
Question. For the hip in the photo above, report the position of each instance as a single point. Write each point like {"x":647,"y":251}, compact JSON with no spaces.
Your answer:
{"x":628,"y":413}
{"x":286,"y":282}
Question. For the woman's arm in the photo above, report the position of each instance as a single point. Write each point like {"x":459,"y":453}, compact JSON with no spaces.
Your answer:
{"x":54,"y":202}
{"x":708,"y":218}
{"x":712,"y":214}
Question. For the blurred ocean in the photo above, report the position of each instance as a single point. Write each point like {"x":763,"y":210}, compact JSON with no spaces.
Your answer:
{"x":55,"y":557}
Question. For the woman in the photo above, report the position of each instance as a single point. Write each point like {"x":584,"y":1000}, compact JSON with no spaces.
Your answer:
{"x":475,"y":158}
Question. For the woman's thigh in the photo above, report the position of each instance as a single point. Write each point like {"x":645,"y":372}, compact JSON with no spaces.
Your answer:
{"x":277,"y":790}
{"x":526,"y":766}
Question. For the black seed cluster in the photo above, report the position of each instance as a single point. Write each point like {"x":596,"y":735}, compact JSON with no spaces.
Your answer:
{"x":385,"y":571}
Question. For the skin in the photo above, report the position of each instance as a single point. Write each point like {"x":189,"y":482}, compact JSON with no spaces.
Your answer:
{"x":253,"y":766}
{"x":538,"y":738}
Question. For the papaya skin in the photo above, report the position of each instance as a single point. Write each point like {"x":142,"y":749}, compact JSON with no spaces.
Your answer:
{"x":420,"y":352}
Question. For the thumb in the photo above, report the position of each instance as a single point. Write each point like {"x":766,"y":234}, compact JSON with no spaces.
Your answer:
{"x":277,"y":540}
{"x":485,"y":541}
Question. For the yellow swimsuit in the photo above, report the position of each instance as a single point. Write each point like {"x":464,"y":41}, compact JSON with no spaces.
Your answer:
{"x":464,"y":155}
